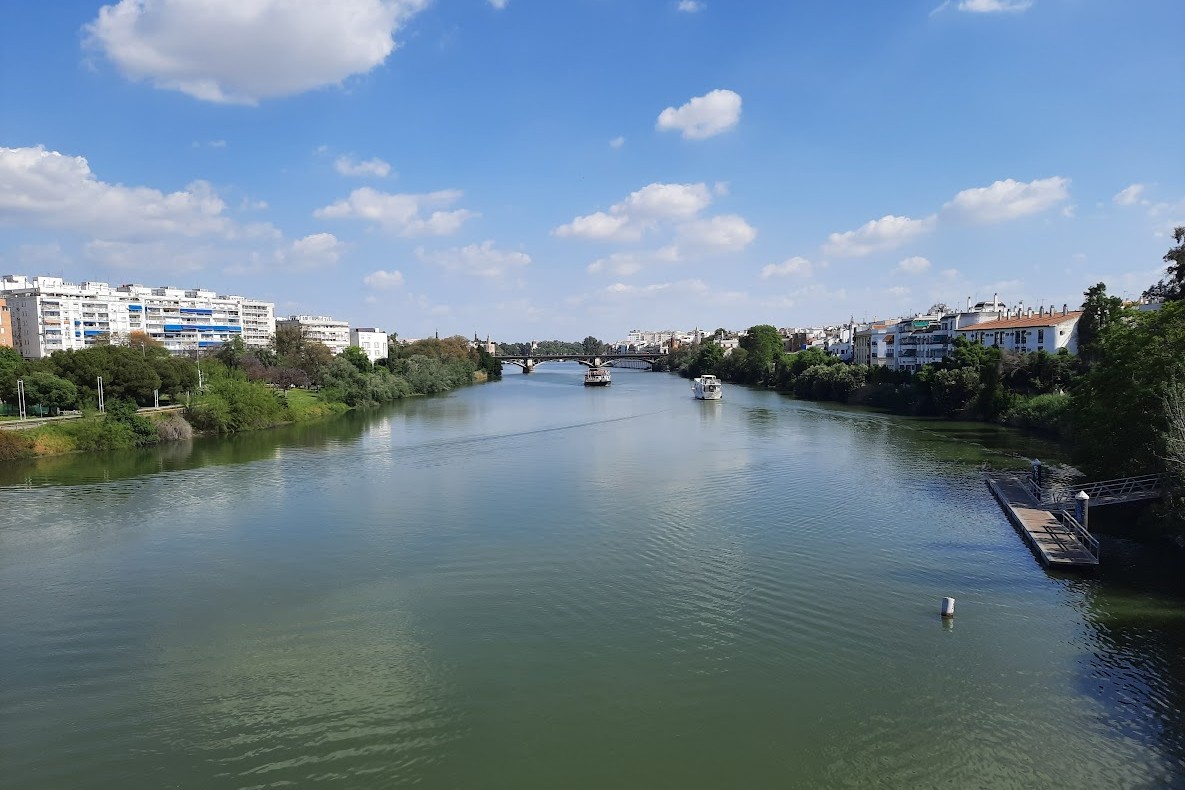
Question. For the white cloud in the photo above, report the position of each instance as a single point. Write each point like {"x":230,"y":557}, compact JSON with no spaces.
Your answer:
{"x":1008,"y":199}
{"x":499,"y":4}
{"x":48,"y":189}
{"x":480,"y":260}
{"x":914,"y":265}
{"x":623,"y":290}
{"x":690,"y":6}
{"x":994,"y":6}
{"x":723,"y":232}
{"x":950,"y":274}
{"x":1129,"y":195}
{"x":703,"y":116}
{"x":642,"y":210}
{"x":384,"y":280}
{"x":316,"y":251}
{"x":617,"y":142}
{"x":796,"y":266}
{"x":371,"y":167}
{"x":624,"y":264}
{"x":878,"y":234}
{"x":147,"y":255}
{"x":241,"y":51}
{"x":898,"y":291}
{"x":404,"y":214}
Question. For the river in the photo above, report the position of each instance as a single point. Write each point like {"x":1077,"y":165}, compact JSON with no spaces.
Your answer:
{"x":533,"y":584}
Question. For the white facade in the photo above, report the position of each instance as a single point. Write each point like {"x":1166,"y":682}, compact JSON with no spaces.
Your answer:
{"x":372,"y":341}
{"x":321,"y":329}
{"x":1028,"y":331}
{"x":49,"y":314}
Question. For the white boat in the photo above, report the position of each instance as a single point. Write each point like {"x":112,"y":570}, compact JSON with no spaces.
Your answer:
{"x":597,"y":377}
{"x":707,"y":387}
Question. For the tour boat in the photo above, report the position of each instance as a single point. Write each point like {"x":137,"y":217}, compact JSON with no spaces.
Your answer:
{"x":596,"y":377}
{"x":707,"y":387}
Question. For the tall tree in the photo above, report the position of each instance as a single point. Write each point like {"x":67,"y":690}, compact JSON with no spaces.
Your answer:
{"x":592,"y":345}
{"x":1172,"y":287}
{"x":1099,"y":312}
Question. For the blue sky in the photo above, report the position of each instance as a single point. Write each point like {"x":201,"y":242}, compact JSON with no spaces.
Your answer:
{"x":559,"y":168}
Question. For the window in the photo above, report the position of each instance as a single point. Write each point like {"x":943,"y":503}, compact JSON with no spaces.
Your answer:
{"x":1040,"y":336}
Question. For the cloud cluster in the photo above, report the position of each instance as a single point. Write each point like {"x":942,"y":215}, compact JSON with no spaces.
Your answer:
{"x":49,"y":189}
{"x":404,"y":214}
{"x":672,"y":210}
{"x":875,"y":235}
{"x":1001,"y":201}
{"x":703,"y":116}
{"x":791,"y":267}
{"x":383,"y":280}
{"x":1008,"y":199}
{"x":477,"y":260}
{"x":994,"y":6}
{"x":242,"y":51}
{"x":373,"y":168}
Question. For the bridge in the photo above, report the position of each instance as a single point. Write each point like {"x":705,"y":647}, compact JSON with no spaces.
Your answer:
{"x":528,"y":361}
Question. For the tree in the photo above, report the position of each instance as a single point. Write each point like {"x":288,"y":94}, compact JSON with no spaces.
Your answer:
{"x":231,"y":352}
{"x":1172,"y":287}
{"x":591,"y":345}
{"x":314,"y":358}
{"x":357,"y":357}
{"x":1174,"y":410}
{"x":1118,"y":406}
{"x":1099,"y":312}
{"x":46,"y":389}
{"x":764,"y":346}
{"x":143,"y":341}
{"x":288,"y":341}
{"x":11,"y":363}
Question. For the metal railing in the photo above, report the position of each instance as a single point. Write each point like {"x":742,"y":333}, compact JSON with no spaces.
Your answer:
{"x":1073,"y":527}
{"x":1124,"y":489}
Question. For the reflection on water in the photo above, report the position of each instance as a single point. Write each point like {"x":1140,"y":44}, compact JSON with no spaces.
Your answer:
{"x":536,"y":584}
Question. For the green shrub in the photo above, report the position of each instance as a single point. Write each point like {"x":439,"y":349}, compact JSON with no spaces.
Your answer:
{"x":231,"y":405}
{"x":15,"y":445}
{"x":1042,"y":413}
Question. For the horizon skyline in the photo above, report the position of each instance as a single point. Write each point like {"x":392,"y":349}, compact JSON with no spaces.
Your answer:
{"x":412,"y":165}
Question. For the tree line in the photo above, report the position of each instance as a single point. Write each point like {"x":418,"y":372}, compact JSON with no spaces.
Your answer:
{"x":241,"y":388}
{"x":1119,"y":405}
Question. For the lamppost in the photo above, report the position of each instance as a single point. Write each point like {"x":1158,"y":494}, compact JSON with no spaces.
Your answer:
{"x":20,"y":397}
{"x":101,"y":408}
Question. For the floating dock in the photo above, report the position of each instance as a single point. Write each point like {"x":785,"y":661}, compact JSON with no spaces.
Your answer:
{"x":1053,"y":535}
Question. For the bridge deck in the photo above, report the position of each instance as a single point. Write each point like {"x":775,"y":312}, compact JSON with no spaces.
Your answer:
{"x":1056,"y":545}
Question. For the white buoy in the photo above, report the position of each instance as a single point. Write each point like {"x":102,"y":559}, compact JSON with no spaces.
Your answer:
{"x":948,"y":607}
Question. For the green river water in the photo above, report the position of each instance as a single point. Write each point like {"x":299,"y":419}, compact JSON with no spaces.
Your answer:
{"x":531,"y":584}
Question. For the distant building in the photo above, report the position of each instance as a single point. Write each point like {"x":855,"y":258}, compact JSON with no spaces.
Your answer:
{"x":5,"y":325}
{"x":1026,"y":331}
{"x":320,"y":329}
{"x":49,"y":314}
{"x":372,"y":341}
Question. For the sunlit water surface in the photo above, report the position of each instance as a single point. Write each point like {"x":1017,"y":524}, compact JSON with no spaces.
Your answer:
{"x":531,"y":584}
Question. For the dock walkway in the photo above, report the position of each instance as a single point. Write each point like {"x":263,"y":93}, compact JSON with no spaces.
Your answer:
{"x":1053,"y":535}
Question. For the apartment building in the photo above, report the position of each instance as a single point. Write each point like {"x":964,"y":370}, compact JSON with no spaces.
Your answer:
{"x":1025,"y":330}
{"x":370,"y":340}
{"x":321,"y":329}
{"x":49,"y":314}
{"x":5,"y":325}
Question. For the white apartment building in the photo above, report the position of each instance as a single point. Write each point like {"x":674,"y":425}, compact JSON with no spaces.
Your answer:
{"x":1024,"y":330}
{"x":49,"y":314}
{"x":321,"y":329}
{"x":372,"y":341}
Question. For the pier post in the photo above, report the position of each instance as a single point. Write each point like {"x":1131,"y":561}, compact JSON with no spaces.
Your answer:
{"x":1036,"y":476}
{"x":1082,"y":509}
